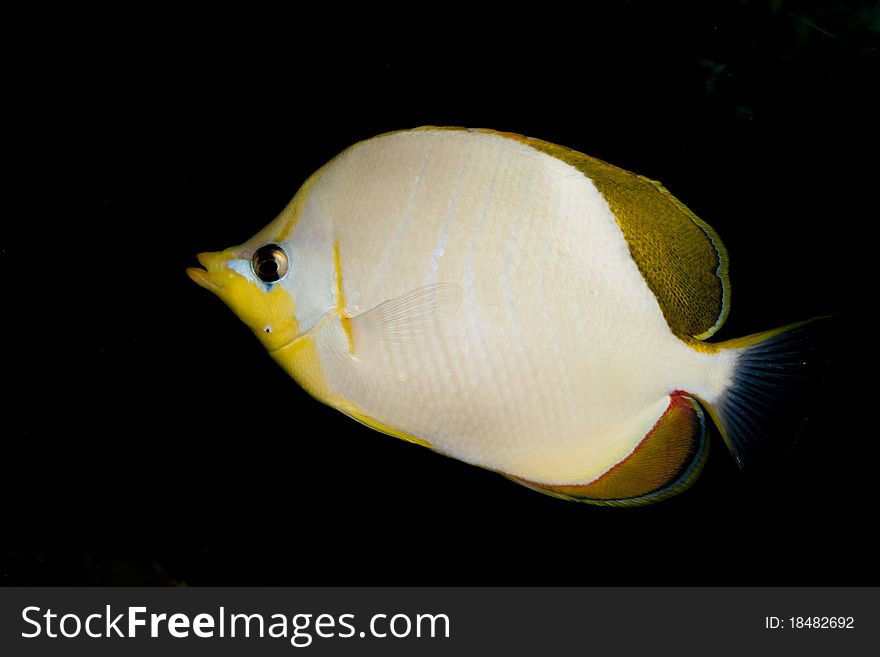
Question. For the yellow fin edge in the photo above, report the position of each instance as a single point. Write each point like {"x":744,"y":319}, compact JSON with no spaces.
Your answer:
{"x":366,"y":420}
{"x":723,"y":269}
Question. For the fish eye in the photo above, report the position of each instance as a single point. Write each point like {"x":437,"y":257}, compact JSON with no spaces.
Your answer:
{"x":269,"y":263}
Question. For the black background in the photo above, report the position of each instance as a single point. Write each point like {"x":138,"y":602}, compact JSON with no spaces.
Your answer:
{"x":148,"y":438}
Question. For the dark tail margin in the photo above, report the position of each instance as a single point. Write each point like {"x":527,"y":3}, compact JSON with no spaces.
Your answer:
{"x":776,"y":378}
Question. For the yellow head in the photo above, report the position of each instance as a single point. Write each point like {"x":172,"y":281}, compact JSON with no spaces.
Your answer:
{"x":251,"y":282}
{"x":281,"y":281}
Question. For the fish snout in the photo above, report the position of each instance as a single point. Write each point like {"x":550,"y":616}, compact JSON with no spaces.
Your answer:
{"x":209,"y":276}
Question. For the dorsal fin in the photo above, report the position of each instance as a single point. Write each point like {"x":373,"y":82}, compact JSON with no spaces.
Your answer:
{"x":680,"y":257}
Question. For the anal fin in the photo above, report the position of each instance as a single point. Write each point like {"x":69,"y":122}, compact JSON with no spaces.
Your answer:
{"x":665,"y":462}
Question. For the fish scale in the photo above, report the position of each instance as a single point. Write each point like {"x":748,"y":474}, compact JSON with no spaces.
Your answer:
{"x":513,"y":304}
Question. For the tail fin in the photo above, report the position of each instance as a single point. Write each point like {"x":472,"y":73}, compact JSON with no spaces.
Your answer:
{"x":775,"y":379}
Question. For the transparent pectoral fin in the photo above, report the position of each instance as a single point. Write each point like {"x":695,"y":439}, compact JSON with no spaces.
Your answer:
{"x":410,"y":320}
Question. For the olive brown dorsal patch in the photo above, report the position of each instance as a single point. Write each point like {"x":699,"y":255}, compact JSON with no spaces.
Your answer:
{"x":681,"y":258}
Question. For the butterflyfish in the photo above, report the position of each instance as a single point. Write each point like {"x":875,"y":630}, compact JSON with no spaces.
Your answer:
{"x":519,"y":306}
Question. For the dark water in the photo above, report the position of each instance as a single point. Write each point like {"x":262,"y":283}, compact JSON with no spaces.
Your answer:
{"x":148,"y":438}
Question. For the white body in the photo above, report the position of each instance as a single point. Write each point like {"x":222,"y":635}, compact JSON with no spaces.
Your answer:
{"x":552,"y":359}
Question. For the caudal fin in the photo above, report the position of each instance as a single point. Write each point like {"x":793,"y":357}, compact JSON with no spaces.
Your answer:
{"x":775,"y":379}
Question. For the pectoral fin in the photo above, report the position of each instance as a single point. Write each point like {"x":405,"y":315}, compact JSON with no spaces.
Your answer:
{"x":410,"y":320}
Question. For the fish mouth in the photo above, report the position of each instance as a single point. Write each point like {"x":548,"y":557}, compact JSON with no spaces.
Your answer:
{"x":202,"y":276}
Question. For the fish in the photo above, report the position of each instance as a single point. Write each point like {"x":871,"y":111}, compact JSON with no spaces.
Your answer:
{"x":521,"y":307}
